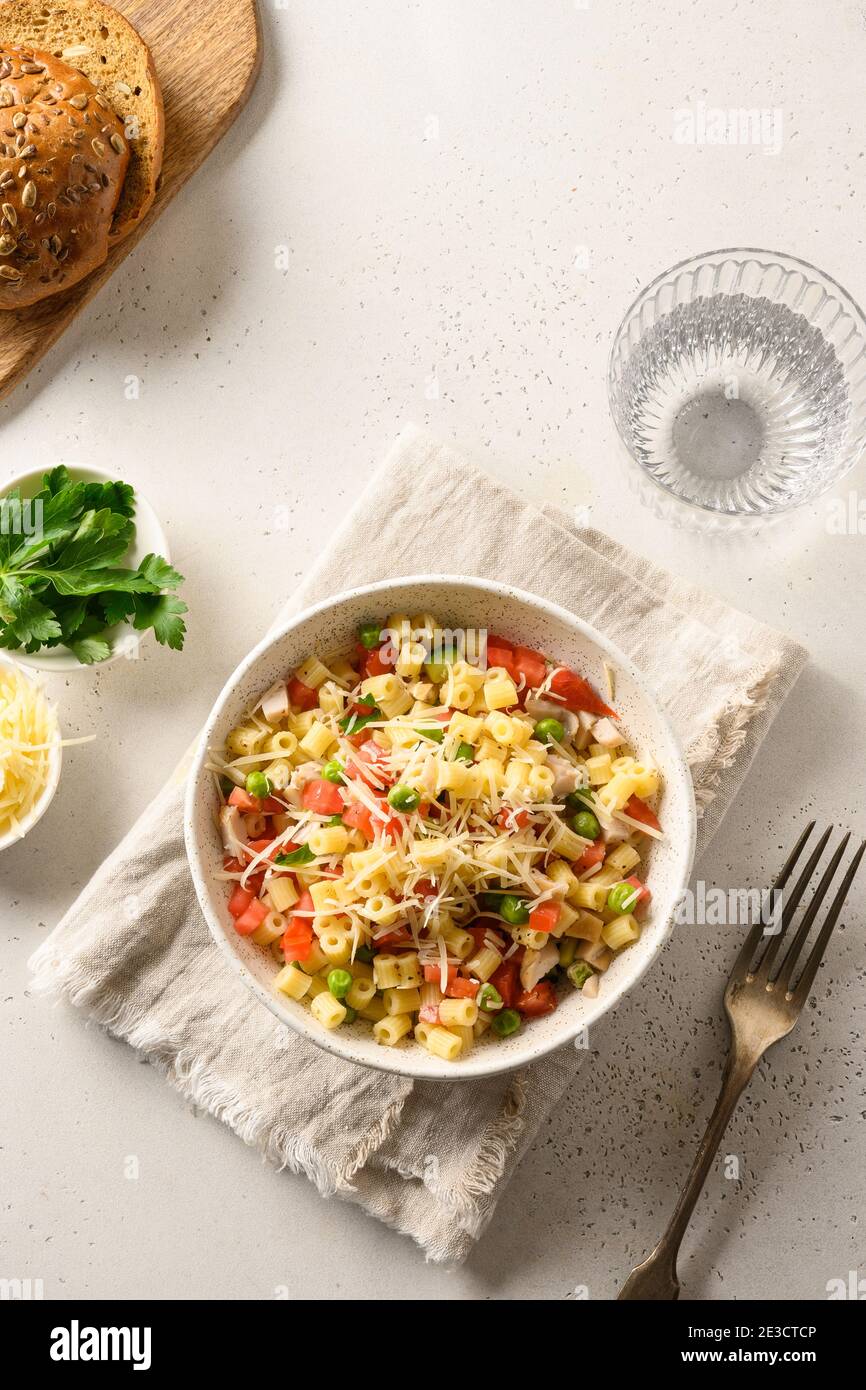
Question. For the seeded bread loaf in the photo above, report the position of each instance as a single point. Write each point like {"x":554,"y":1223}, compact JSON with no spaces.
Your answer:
{"x":63,"y":160}
{"x":103,"y":45}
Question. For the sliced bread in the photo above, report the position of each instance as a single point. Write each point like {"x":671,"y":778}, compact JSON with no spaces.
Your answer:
{"x":100,"y":43}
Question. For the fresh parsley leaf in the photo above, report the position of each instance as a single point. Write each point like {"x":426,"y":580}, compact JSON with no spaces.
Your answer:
{"x":353,"y":722}
{"x":29,"y":619}
{"x":162,"y":613}
{"x":90,"y":649}
{"x":60,"y":576}
{"x":116,"y":606}
{"x":117,"y":497}
{"x":71,"y":613}
{"x":159,"y":572}
{"x":304,"y":855}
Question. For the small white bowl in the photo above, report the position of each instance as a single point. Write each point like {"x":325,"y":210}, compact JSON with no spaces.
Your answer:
{"x":531,"y":621}
{"x":149,"y":538}
{"x":40,"y":806}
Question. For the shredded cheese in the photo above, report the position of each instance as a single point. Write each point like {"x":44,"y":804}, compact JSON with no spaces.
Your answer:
{"x":28,"y":738}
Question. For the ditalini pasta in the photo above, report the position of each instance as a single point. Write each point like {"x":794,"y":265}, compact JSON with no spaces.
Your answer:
{"x":432,"y":844}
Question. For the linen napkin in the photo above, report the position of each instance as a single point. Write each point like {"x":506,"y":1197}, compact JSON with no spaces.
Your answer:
{"x":429,"y":1158}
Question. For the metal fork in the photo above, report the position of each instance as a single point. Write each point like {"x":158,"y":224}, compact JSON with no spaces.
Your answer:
{"x":760,"y":1011}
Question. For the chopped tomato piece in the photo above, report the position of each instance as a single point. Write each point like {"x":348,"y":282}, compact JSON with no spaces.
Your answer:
{"x":494,"y":640}
{"x":269,"y":849}
{"x":232,"y":866}
{"x":267,"y":806}
{"x":297,"y":940}
{"x":252,"y":917}
{"x":401,"y":937}
{"x":544,"y":917}
{"x":424,"y":888}
{"x":323,"y":797}
{"x":370,"y":763}
{"x":303,"y":697}
{"x":505,"y":979}
{"x":379,"y":661}
{"x":303,"y":906}
{"x":429,"y":1013}
{"x":577,"y":694}
{"x":593,"y":854}
{"x":533,"y":1003}
{"x":501,"y":656}
{"x":461,"y":989}
{"x":386,"y":823}
{"x":512,"y":820}
{"x":433,"y":974}
{"x":240,"y":900}
{"x":530,"y":665}
{"x":483,"y":927}
{"x":644,"y":896}
{"x":357,"y":816}
{"x":638,"y":810}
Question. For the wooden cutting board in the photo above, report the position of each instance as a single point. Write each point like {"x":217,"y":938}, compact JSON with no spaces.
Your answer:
{"x":207,"y":55}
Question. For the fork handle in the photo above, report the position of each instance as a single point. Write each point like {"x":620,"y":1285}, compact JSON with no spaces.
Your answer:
{"x":657,"y":1278}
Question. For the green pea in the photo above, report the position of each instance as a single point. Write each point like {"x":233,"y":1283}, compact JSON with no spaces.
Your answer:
{"x":437,"y":671}
{"x":369,"y":634}
{"x":489,"y":902}
{"x":258,"y":785}
{"x":579,"y":973}
{"x":506,"y":1023}
{"x":365,"y":953}
{"x":339,"y":983}
{"x":586,"y":824}
{"x":549,"y":730}
{"x":577,"y":801}
{"x":567,"y":951}
{"x":333,"y":771}
{"x":622,"y":897}
{"x":404,"y":798}
{"x":489,"y":999}
{"x":513,"y":910}
{"x":351,"y":1014}
{"x":434,"y":735}
{"x":465,"y":753}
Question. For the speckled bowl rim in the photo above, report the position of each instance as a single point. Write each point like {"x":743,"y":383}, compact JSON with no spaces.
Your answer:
{"x":482,"y":1061}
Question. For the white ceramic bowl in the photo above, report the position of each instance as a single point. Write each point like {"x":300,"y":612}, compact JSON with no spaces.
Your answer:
{"x":149,"y":539}
{"x":458,"y":603}
{"x":40,"y":806}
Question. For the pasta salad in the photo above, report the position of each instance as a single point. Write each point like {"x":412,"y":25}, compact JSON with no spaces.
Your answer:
{"x":436,"y":832}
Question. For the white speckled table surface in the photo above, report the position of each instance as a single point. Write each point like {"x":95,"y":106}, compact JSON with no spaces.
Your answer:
{"x":439,"y":211}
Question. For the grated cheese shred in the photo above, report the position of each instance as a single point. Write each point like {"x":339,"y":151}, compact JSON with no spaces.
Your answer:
{"x":28,"y":737}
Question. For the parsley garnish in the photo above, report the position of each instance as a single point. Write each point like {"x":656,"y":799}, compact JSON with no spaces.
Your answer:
{"x":64,"y":583}
{"x":304,"y":855}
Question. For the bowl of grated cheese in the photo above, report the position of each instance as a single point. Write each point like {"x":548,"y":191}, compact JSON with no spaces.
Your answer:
{"x":464,"y":605}
{"x":31,"y":752}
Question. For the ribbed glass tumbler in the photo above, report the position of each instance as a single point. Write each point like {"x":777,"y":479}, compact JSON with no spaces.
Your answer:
{"x":737,"y":381}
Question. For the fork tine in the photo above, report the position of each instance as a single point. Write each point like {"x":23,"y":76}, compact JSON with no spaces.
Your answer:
{"x":804,"y":984}
{"x":796,"y":946}
{"x":764,"y":966}
{"x":751,"y":942}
